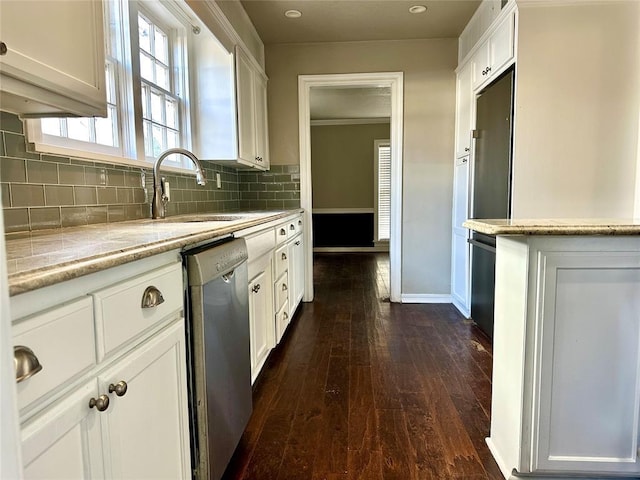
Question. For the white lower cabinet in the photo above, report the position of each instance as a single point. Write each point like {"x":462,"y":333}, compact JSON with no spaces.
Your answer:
{"x":146,"y":423}
{"x":123,"y":415}
{"x":65,"y":441}
{"x":261,"y":318}
{"x":276,"y":285}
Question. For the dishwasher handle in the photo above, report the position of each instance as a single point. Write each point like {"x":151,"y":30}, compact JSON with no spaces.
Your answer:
{"x":228,"y":276}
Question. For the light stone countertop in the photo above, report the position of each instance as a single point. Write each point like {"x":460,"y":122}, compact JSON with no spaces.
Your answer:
{"x":41,"y":258}
{"x":555,"y":226}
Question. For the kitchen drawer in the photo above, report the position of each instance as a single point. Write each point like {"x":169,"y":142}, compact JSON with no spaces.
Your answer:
{"x":294,"y":227}
{"x":282,"y":290}
{"x":282,"y":320}
{"x":119,"y":313}
{"x":63,"y":341}
{"x":282,"y":260}
{"x":260,"y":243}
{"x":282,"y":233}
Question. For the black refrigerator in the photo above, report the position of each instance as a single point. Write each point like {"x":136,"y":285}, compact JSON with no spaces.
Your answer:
{"x":491,"y":190}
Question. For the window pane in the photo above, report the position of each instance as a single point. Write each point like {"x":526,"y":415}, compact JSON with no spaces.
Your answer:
{"x":161,"y":46}
{"x":172,"y":139}
{"x":145,"y":102}
{"x":79,"y":128}
{"x":148,"y":144}
{"x":162,"y":76}
{"x":51,"y":126}
{"x":111,"y":98}
{"x":171,"y":112}
{"x":146,"y":67}
{"x":157,"y":107}
{"x":144,"y":34}
{"x":159,"y":144}
{"x":105,"y":128}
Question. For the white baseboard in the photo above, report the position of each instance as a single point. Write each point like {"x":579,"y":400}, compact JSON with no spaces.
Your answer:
{"x":425,"y":298}
{"x":350,"y":249}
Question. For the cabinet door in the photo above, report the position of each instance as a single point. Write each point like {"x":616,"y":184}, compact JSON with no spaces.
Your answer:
{"x":587,"y":390}
{"x":262,"y":131}
{"x":460,"y":259}
{"x":501,"y":44}
{"x":55,"y":57}
{"x":261,"y":319}
{"x":65,"y":441}
{"x":147,"y":427}
{"x":296,"y":279}
{"x":479,"y":65}
{"x":464,"y":112}
{"x":246,"y":102}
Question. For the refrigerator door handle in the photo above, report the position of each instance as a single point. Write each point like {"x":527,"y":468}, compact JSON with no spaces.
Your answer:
{"x":484,"y":246}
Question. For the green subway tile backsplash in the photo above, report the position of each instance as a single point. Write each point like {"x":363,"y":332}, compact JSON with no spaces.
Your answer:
{"x":49,"y":191}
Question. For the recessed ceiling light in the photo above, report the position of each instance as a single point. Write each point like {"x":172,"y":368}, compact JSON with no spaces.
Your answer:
{"x":418,"y":9}
{"x":293,"y":14}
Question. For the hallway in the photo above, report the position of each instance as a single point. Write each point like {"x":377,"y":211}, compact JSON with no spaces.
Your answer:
{"x":363,"y":389}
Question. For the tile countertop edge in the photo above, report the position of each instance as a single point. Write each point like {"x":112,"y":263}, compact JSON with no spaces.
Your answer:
{"x":604,"y":227}
{"x":22,"y":282}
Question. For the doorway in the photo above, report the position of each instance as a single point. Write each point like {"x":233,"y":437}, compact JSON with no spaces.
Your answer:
{"x":394,"y":82}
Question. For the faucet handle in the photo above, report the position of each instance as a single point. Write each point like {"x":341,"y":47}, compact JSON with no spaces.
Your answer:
{"x":166,"y":192}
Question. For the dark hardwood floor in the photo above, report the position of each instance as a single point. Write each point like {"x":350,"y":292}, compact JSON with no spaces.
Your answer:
{"x":363,"y":389}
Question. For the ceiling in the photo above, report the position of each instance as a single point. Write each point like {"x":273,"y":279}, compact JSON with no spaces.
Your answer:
{"x":357,"y":20}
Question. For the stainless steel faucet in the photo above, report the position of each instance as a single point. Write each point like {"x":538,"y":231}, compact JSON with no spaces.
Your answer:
{"x":159,"y":202}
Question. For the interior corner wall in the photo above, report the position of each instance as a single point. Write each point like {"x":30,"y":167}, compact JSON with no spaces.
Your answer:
{"x":429,"y":110}
{"x":576,"y":119}
{"x":342,"y":161}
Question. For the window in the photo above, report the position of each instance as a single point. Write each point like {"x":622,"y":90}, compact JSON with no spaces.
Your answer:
{"x":382,"y":172}
{"x":144,"y":119}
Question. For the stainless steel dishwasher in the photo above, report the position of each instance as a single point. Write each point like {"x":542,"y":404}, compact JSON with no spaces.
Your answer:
{"x":219,"y":358}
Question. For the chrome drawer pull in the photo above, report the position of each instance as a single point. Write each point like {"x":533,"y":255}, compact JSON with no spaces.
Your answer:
{"x":25,"y":362}
{"x":283,"y":231}
{"x":255,"y":288}
{"x":152,"y":297}
{"x":292,"y":227}
{"x":284,"y":256}
{"x":120,"y":388}
{"x":101,"y":403}
{"x":284,"y":287}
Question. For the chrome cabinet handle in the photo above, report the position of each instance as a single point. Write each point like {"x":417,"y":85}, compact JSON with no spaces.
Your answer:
{"x":464,"y":160}
{"x":297,"y":243}
{"x":466,"y":149}
{"x":255,"y":288}
{"x":152,"y":297}
{"x":283,"y":231}
{"x":120,"y":388}
{"x":285,"y":315}
{"x":101,"y":403}
{"x":25,"y":363}
{"x":3,"y":48}
{"x":284,"y":256}
{"x":284,"y":287}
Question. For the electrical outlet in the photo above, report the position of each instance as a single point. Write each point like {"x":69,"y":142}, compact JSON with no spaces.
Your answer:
{"x":218,"y":181}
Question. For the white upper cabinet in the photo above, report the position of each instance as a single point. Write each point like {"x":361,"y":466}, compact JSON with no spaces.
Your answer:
{"x":230,"y":115}
{"x":53,"y":59}
{"x":464,"y":111}
{"x":252,"y":113}
{"x":494,"y":53}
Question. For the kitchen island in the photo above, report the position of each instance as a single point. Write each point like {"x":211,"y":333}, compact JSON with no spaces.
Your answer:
{"x":566,"y":355}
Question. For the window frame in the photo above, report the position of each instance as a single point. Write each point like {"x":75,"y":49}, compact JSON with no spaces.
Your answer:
{"x":377,"y":144}
{"x":128,"y":89}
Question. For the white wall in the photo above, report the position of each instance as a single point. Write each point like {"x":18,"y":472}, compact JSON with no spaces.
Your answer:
{"x":577,"y":110}
{"x":429,"y":107}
